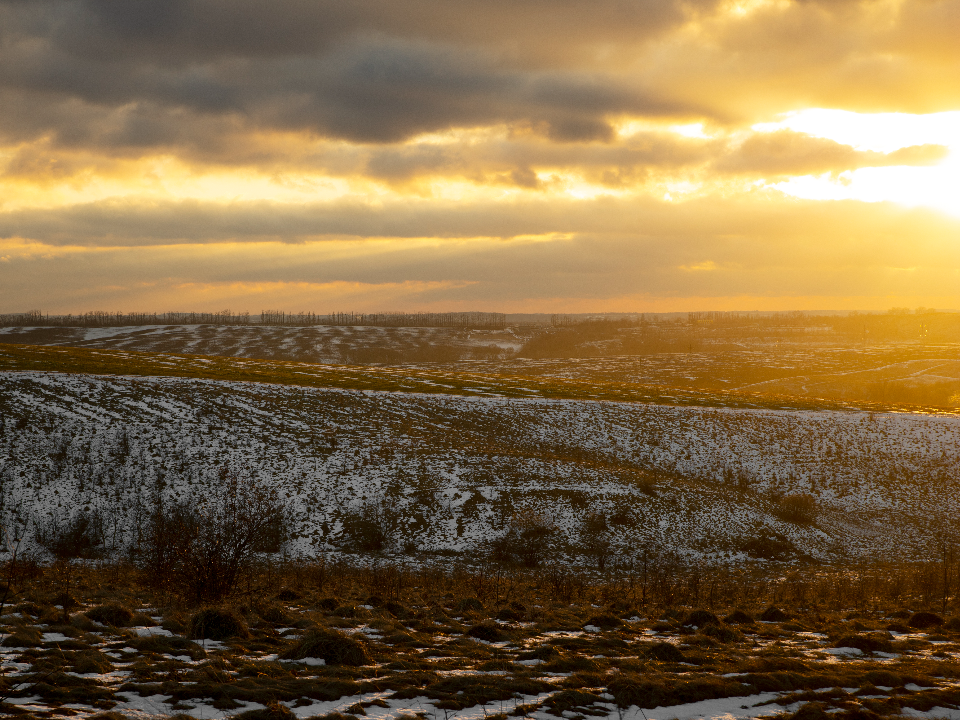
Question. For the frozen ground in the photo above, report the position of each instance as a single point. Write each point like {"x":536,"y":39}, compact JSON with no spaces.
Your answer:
{"x":453,"y":469}
{"x":893,"y":372}
{"x":317,"y":344}
{"x":421,"y":658}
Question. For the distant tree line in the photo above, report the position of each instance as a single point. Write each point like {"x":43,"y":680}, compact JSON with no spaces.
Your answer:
{"x":97,"y":318}
{"x":465,"y":320}
{"x":479,"y":320}
{"x":641,"y":332}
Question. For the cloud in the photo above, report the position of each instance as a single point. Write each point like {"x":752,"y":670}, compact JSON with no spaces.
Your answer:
{"x":794,"y":249}
{"x":202,"y":29}
{"x":777,"y":57}
{"x":643,"y":161}
{"x":131,"y":223}
{"x":705,"y":266}
{"x":427,"y":141}
{"x":785,"y":152}
{"x":369,"y":91}
{"x":369,"y":73}
{"x":287,"y":294}
{"x":610,"y":249}
{"x":182,"y":74}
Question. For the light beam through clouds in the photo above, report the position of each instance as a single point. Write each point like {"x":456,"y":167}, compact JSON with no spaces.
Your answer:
{"x":936,"y":185}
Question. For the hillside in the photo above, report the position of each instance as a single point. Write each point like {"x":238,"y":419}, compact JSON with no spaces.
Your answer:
{"x":449,"y":471}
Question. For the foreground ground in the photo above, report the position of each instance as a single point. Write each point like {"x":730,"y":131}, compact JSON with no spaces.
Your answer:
{"x":386,"y":643}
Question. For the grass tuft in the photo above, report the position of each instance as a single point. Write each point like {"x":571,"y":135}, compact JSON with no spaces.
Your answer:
{"x":275,"y":711}
{"x":487,"y":631}
{"x":665,"y":652}
{"x":25,"y":637}
{"x":217,"y":624}
{"x":604,"y":622}
{"x":334,"y":648}
{"x":924,"y":620}
{"x":701,"y":618}
{"x":774,"y":614}
{"x":113,"y":614}
{"x":865,"y":643}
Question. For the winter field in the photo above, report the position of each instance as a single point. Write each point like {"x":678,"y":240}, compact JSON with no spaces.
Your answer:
{"x":320,"y":344}
{"x":814,"y":366}
{"x":648,"y":487}
{"x":452,"y":469}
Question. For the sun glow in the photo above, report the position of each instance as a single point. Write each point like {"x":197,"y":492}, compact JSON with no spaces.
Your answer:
{"x":936,"y":186}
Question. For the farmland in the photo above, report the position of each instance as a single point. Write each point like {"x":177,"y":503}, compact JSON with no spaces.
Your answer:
{"x":814,"y":478}
{"x":454,"y":466}
{"x":803,"y":366}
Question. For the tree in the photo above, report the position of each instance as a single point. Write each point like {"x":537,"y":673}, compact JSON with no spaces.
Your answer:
{"x":79,"y":536}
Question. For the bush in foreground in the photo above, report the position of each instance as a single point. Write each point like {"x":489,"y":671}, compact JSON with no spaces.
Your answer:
{"x":217,"y":624}
{"x":334,"y":648}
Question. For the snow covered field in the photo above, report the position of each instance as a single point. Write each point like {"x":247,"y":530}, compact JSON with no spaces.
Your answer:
{"x":446,"y":473}
{"x":454,"y":469}
{"x":317,"y":344}
{"x":892,"y":372}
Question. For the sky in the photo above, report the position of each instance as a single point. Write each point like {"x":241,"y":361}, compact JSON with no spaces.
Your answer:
{"x":494,"y":155}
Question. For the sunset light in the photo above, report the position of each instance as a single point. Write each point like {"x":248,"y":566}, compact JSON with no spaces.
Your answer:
{"x":771,"y":138}
{"x":935,"y":185}
{"x":480,"y":359}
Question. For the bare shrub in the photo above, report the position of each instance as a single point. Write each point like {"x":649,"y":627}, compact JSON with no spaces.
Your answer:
{"x":21,"y":568}
{"x":79,"y":536}
{"x":767,"y":545}
{"x":526,"y":540}
{"x":800,"y":509}
{"x":370,"y":527}
{"x":201,"y":548}
{"x":623,"y":517}
{"x":595,"y":539}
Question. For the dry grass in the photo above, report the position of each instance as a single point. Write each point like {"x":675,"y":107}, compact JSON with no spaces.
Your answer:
{"x":441,"y":380}
{"x":438,"y":643}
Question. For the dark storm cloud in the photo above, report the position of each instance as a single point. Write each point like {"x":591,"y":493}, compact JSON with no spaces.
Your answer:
{"x":384,"y":70}
{"x":376,"y":90}
{"x":368,"y":91}
{"x":202,"y":29}
{"x":368,"y":71}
